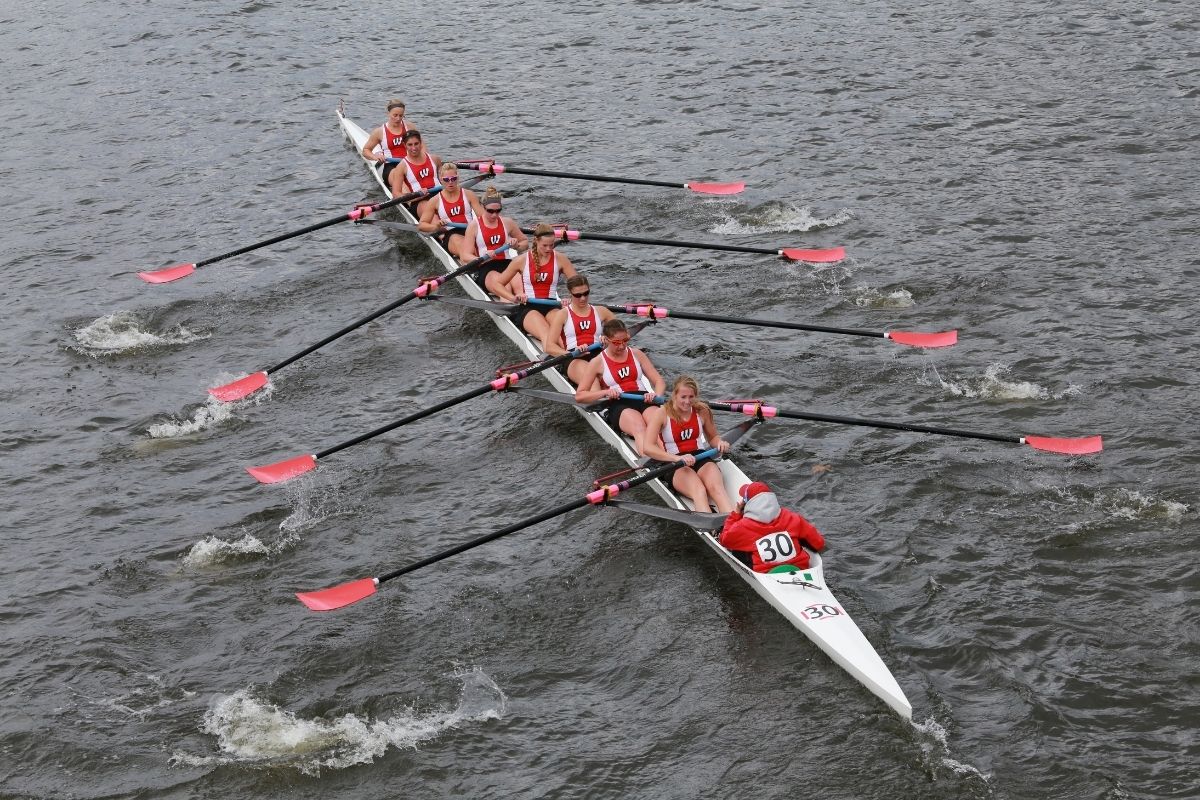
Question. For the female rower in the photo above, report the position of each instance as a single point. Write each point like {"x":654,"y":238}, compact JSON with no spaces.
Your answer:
{"x":575,"y":325}
{"x":533,"y":274}
{"x":387,"y":141}
{"x":419,"y":168}
{"x":488,"y":232}
{"x":675,"y":432}
{"x":621,"y":368}
{"x":452,"y":205}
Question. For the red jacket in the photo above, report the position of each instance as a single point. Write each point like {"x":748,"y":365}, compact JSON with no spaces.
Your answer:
{"x":771,"y":535}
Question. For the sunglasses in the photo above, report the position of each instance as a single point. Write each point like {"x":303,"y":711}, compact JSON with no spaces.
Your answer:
{"x":495,"y":210}
{"x":450,"y":179}
{"x":581,"y":294}
{"x":618,"y":342}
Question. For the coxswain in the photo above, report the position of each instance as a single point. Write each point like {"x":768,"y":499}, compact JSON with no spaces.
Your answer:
{"x":575,"y":325}
{"x":489,"y":232}
{"x":387,"y":141}
{"x":765,"y":536}
{"x":675,"y":432}
{"x":621,"y":368}
{"x":453,"y":205}
{"x":533,"y":274}
{"x":420,"y":169}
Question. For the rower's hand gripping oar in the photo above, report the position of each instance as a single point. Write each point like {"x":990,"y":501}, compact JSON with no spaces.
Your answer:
{"x":490,"y":167}
{"x":168,"y":274}
{"x":242,"y":387}
{"x":352,"y":592}
{"x":292,"y":467}
{"x":651,"y":311}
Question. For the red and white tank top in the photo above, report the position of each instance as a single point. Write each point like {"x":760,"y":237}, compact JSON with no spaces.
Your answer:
{"x":459,"y":210}
{"x":542,"y":283}
{"x":490,"y":238}
{"x":622,"y":374}
{"x":683,"y":437}
{"x":391,"y":143}
{"x":580,"y":331}
{"x":420,"y":176}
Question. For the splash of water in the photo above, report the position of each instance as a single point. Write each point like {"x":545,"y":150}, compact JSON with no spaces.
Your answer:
{"x":869,"y":297}
{"x":778,"y":218}
{"x":935,"y":744}
{"x":124,"y":331}
{"x":204,"y":417}
{"x":995,"y":385}
{"x":250,"y":731}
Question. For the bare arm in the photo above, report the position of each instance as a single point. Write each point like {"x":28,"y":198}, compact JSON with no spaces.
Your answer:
{"x":656,"y":380}
{"x":710,"y":431}
{"x":556,"y":320}
{"x":649,"y":442}
{"x":430,"y":221}
{"x":368,"y":149}
{"x":466,"y":250}
{"x":516,"y":235}
{"x":564,"y":264}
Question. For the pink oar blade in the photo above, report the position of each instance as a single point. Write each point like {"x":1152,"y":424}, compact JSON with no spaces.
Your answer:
{"x":716,"y":188}
{"x":283,"y":470}
{"x":1080,"y":446}
{"x":239,"y":388}
{"x":338,"y":596}
{"x":827,"y":256}
{"x":912,"y":339}
{"x":168,"y":274}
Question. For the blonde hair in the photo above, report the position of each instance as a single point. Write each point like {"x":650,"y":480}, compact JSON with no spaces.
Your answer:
{"x":539,"y":230}
{"x":447,"y":166}
{"x":492,"y":195}
{"x":698,"y":405}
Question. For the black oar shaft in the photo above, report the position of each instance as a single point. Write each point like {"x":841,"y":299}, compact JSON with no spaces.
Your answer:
{"x":624,"y":485}
{"x":309,"y":229}
{"x":731,"y":248}
{"x":491,"y":386}
{"x":375,"y":315}
{"x":583,"y":176}
{"x":761,"y":323}
{"x":870,"y":423}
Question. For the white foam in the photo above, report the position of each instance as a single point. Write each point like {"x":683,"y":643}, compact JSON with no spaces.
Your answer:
{"x":935,"y":743}
{"x":995,"y":384}
{"x":209,"y":415}
{"x":211,"y":551}
{"x":779,"y":218}
{"x":251,"y":731}
{"x":868,"y":297}
{"x":123,"y":331}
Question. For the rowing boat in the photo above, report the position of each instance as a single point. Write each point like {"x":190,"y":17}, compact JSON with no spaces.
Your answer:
{"x":802,"y":597}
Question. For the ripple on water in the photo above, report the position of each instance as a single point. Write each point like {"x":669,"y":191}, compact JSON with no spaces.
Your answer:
{"x":125,"y":332}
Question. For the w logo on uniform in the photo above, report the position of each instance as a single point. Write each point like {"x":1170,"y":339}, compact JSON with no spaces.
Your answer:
{"x":542,"y":277}
{"x":396,"y":141}
{"x":686,"y":434}
{"x":586,"y":325}
{"x":494,"y":239}
{"x":424,"y":173}
{"x":456,"y":210}
{"x":623,"y":373}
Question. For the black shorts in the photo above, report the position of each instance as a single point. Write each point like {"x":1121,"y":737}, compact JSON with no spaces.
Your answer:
{"x":612,"y":414}
{"x":518,"y":316}
{"x":497,"y":265}
{"x":387,"y":170}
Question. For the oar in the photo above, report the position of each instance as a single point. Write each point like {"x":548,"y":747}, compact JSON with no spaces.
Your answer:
{"x":178,"y":271}
{"x":492,"y":168}
{"x":292,"y":467}
{"x":913,"y":339}
{"x":255,"y":381}
{"x":352,"y":592}
{"x":700,"y":520}
{"x":825,"y":256}
{"x":1082,"y":445}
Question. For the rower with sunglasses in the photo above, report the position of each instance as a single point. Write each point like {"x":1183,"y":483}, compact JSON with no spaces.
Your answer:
{"x":490,"y":231}
{"x":533,"y":274}
{"x":454,"y":205}
{"x":575,"y":325}
{"x":621,"y":368}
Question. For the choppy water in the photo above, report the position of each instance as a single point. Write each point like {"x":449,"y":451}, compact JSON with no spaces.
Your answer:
{"x":1019,"y":171}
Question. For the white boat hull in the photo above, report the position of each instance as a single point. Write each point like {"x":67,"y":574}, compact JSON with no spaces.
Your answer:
{"x":807,"y":604}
